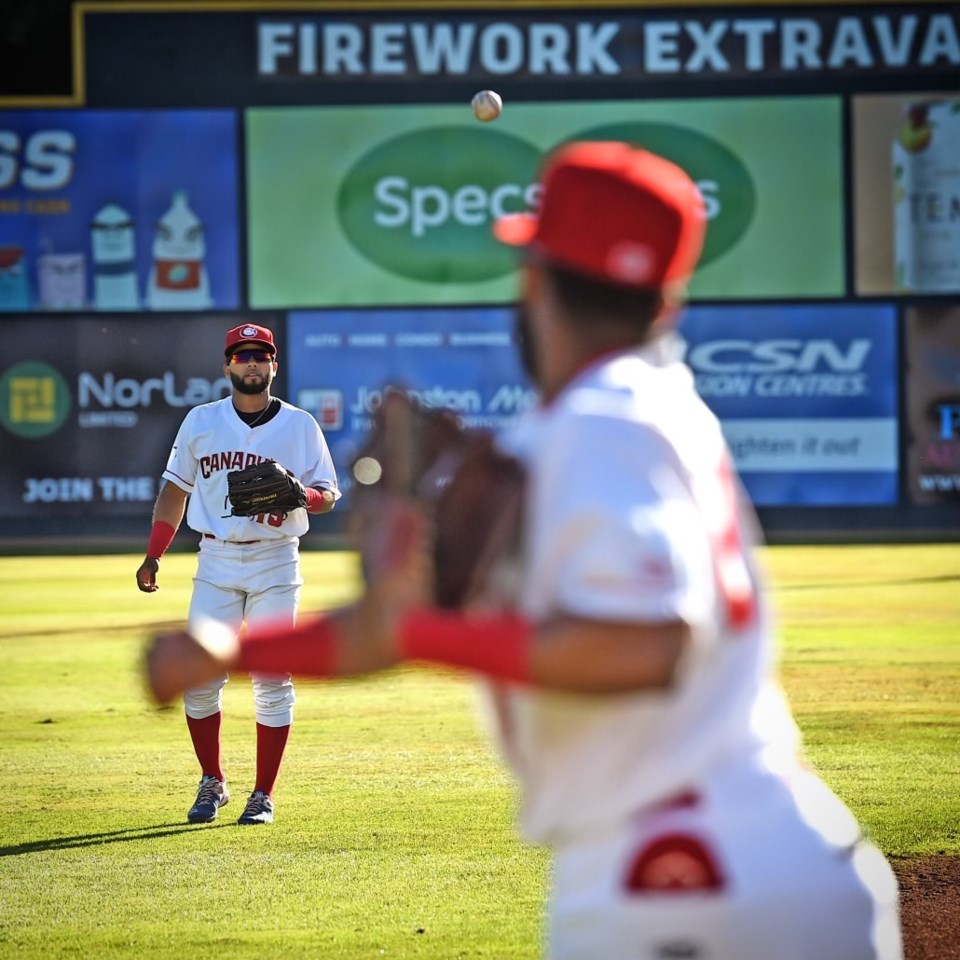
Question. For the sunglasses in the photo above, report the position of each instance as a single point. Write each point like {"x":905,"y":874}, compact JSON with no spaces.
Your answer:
{"x":257,"y":356}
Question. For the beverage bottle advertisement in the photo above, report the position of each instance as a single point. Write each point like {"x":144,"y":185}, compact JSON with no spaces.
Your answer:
{"x":118,"y":211}
{"x":926,"y":201}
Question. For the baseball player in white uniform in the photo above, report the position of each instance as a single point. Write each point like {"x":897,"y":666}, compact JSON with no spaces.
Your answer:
{"x":248,"y":567}
{"x":631,"y":679}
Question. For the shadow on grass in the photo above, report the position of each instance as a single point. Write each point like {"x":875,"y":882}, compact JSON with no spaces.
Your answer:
{"x":852,"y":584}
{"x":97,"y":839}
{"x":139,"y":628}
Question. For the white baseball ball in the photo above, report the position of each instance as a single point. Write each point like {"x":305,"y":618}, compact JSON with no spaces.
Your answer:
{"x":486,"y":105}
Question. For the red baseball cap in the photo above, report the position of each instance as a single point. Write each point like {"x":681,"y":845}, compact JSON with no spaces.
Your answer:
{"x":249,"y":333}
{"x":614,"y":212}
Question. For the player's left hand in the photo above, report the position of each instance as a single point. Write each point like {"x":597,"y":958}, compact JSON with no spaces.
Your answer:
{"x":468,"y":492}
{"x":147,"y":575}
{"x":264,"y":487}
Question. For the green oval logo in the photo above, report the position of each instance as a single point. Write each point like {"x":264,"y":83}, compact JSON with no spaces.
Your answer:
{"x":725,"y":183}
{"x":34,"y":399}
{"x":421,"y":205}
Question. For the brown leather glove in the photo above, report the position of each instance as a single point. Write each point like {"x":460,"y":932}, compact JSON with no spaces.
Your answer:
{"x":472,"y":491}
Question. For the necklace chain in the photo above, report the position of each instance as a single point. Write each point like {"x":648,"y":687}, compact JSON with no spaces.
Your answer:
{"x":261,"y":415}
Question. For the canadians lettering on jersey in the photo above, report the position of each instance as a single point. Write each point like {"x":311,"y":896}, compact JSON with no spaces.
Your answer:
{"x":226,"y":460}
{"x":207,"y":447}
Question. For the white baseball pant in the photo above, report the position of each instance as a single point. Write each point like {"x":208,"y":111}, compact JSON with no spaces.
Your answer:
{"x":782,"y":876}
{"x":251,"y":583}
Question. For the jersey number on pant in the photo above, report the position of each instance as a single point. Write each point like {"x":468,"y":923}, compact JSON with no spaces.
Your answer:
{"x":274,"y":519}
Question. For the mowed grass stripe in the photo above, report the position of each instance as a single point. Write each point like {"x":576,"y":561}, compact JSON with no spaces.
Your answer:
{"x":871,"y":662}
{"x":395,"y":828}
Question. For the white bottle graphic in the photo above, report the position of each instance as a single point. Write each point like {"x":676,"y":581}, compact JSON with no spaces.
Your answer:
{"x":62,"y":281}
{"x":113,"y":240}
{"x":926,"y":198}
{"x":178,"y":279}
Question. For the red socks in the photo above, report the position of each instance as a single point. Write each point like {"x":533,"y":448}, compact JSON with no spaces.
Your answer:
{"x":271,"y":742}
{"x":205,"y":734}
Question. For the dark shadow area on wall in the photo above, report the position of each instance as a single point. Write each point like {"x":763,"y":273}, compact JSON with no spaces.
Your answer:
{"x":35,"y":46}
{"x":35,"y":54}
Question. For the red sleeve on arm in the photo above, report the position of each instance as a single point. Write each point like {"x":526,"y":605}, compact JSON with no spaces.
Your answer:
{"x":495,"y":645}
{"x":161,"y":536}
{"x":309,"y":649}
{"x":315,"y":499}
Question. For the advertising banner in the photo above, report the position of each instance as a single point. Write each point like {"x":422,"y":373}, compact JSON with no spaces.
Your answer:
{"x":378,"y":206}
{"x":807,"y":397}
{"x":465,"y":360}
{"x":906,"y":181}
{"x":933,"y":403}
{"x":120,"y":211}
{"x":300,"y":55}
{"x":89,"y":407}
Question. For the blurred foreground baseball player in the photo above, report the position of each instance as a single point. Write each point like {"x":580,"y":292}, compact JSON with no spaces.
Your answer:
{"x":248,"y":566}
{"x":632,"y":677}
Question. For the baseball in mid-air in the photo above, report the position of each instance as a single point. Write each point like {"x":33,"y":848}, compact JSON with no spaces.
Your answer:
{"x":486,"y":105}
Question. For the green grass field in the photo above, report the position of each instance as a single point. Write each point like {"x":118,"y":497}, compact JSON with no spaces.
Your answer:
{"x":395,"y":822}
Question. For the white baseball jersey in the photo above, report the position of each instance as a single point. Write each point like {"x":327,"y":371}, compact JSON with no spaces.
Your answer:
{"x":633,"y":516}
{"x":213,"y":440}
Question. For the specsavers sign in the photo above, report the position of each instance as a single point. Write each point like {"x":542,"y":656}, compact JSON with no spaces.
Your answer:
{"x":377,"y":205}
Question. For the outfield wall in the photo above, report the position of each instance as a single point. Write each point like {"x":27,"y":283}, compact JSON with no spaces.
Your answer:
{"x":316,"y":168}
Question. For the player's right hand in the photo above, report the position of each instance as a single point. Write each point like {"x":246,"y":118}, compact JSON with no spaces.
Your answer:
{"x":147,"y":575}
{"x":176,"y":661}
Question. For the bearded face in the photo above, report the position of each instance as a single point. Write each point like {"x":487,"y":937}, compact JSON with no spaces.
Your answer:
{"x":252,"y":380}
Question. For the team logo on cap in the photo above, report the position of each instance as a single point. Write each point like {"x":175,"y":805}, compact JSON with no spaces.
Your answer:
{"x":249,"y":331}
{"x":631,"y":262}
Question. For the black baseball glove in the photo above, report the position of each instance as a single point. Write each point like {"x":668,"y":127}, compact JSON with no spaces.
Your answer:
{"x":264,"y":487}
{"x":473,"y":491}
